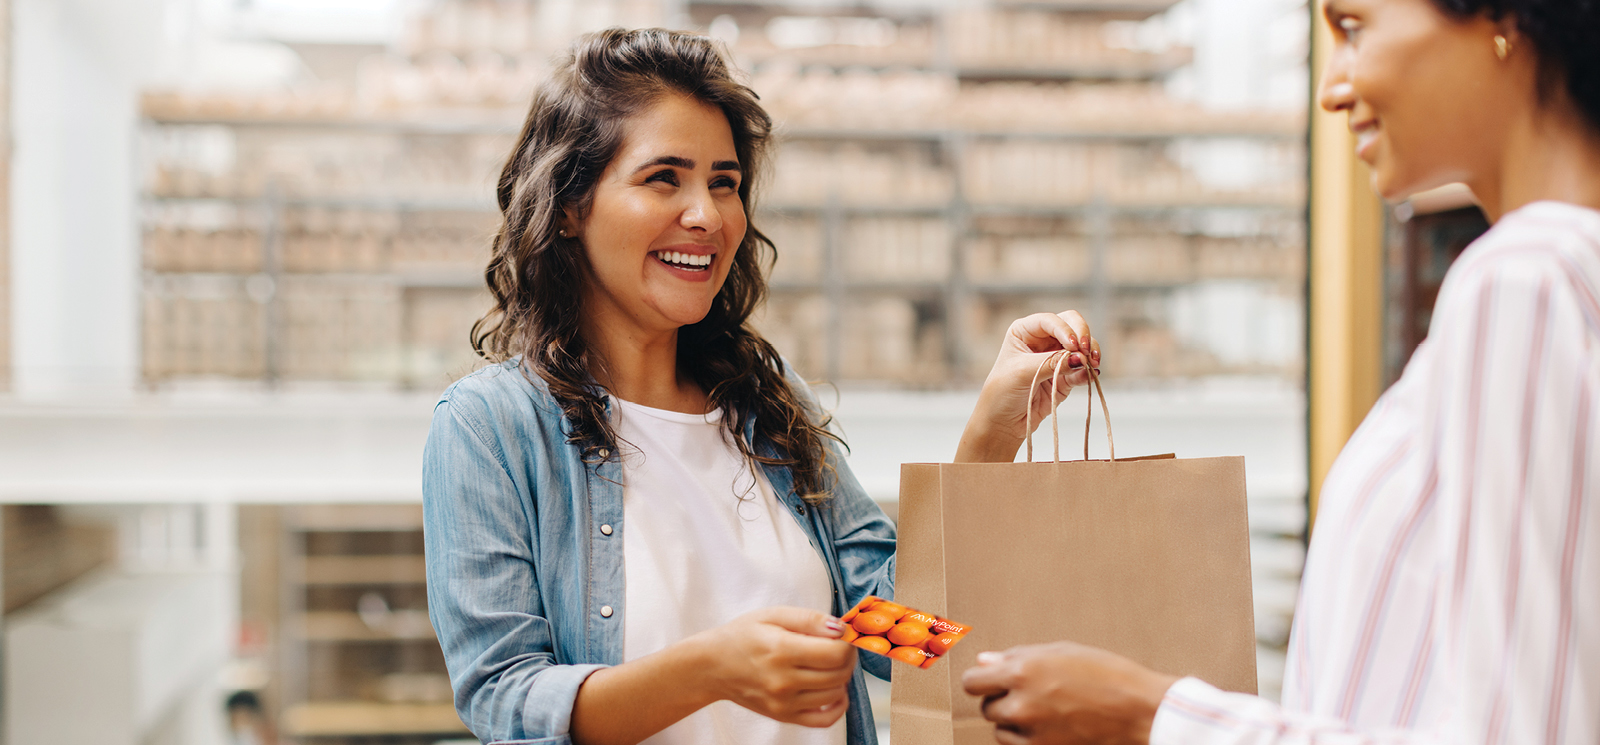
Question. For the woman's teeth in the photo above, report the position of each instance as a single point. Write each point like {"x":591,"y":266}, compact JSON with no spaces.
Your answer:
{"x":690,"y":261}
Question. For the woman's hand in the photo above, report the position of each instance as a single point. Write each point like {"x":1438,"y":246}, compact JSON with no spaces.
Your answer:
{"x":788,"y":664}
{"x":1065,"y":693}
{"x":785,"y":663}
{"x":999,"y":422}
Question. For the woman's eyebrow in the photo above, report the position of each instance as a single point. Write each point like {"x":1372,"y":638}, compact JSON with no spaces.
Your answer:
{"x":678,"y":161}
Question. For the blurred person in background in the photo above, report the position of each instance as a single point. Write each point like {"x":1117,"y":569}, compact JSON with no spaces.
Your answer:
{"x":638,"y":526}
{"x":248,"y":723}
{"x":1452,"y":587}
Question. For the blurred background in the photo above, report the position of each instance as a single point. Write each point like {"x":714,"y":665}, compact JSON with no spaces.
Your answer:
{"x":244,"y":243}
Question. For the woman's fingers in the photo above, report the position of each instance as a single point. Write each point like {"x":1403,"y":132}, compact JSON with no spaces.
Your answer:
{"x":1047,"y":332}
{"x":818,"y":680}
{"x":1011,"y":737}
{"x":991,"y":677}
{"x":826,"y":714}
{"x":819,"y":700}
{"x":801,"y":621}
{"x":820,"y":655}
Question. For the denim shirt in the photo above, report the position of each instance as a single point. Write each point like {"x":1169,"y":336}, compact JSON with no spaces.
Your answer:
{"x":524,"y":556}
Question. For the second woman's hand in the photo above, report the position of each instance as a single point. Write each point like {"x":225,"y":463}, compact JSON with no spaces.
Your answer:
{"x":999,"y":422}
{"x":788,"y":664}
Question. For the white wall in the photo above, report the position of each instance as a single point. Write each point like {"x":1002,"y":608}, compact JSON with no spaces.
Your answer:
{"x":78,"y":67}
{"x":74,"y":240}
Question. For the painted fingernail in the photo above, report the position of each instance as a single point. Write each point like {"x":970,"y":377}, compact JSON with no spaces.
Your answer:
{"x":835,"y":624}
{"x":990,"y":658}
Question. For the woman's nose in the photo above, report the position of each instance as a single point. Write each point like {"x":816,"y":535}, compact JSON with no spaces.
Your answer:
{"x":1335,"y":92}
{"x":701,"y":213}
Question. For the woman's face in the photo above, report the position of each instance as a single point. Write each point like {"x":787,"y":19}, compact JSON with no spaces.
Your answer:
{"x":1426,"y":94}
{"x":665,"y":221}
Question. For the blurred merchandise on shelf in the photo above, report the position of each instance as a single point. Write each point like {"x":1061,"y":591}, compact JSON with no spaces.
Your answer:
{"x":798,"y":325}
{"x":810,"y":173}
{"x":45,"y":550}
{"x":797,"y":241}
{"x":894,"y":337}
{"x":354,"y":652}
{"x":896,"y":250}
{"x":939,"y":170}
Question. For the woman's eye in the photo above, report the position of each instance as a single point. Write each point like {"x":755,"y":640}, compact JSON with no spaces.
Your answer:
{"x":664,"y":177}
{"x":1351,"y":27}
{"x":724,"y":182}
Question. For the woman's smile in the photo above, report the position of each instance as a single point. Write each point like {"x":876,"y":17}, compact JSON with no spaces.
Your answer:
{"x":1366,"y":139}
{"x":691,"y":262}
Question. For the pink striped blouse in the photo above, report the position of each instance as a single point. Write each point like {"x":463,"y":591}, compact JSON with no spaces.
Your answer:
{"x":1452,"y":591}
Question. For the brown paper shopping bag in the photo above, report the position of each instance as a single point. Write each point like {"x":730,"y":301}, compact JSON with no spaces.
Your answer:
{"x":1146,"y":557}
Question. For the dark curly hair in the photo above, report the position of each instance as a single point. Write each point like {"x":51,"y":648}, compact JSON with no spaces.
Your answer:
{"x":538,"y":278}
{"x":1565,"y":35}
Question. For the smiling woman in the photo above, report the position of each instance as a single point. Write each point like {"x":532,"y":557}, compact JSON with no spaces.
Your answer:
{"x":1449,"y":592}
{"x":638,"y":525}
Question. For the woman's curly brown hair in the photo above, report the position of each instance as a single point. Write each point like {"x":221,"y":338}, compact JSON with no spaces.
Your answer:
{"x":538,"y":278}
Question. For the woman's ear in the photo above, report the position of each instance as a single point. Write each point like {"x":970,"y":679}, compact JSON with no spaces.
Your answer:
{"x":571,"y":224}
{"x":1508,"y":38}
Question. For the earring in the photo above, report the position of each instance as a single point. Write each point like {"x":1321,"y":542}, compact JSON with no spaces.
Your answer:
{"x":1502,"y":47}
{"x":563,"y":233}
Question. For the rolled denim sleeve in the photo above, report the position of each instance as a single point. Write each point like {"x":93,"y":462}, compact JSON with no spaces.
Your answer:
{"x":483,"y":597}
{"x":863,"y":537}
{"x":864,"y":540}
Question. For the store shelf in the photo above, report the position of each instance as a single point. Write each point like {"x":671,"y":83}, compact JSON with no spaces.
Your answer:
{"x":362,"y":718}
{"x":857,"y":210}
{"x":162,"y":108}
{"x":1273,"y":127}
{"x":1010,"y":125}
{"x":364,"y":570}
{"x":804,"y":6}
{"x":1136,"y":8}
{"x":1136,"y":208}
{"x":340,"y":626}
{"x":386,"y":204}
{"x":354,"y":518}
{"x":456,"y":278}
{"x":1040,"y":210}
{"x":989,"y":287}
{"x":1251,"y":202}
{"x":1154,"y":66}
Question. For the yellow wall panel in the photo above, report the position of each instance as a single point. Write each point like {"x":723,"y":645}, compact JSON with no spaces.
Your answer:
{"x":1346,"y":293}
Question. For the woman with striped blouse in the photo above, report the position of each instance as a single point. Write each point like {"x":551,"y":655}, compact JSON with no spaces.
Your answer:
{"x":1452,"y":589}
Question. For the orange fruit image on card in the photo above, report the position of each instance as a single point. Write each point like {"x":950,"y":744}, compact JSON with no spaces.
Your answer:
{"x":900,"y":633}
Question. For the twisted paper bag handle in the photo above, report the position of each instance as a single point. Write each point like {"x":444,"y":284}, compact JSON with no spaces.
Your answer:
{"x":1055,"y":417}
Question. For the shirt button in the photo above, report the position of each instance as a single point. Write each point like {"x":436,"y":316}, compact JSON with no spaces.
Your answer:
{"x":605,"y":611}
{"x":604,"y":453}
{"x":605,"y":530}
{"x":800,"y":508}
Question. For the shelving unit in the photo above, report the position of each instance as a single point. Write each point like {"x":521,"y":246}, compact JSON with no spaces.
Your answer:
{"x":367,"y":720}
{"x":938,"y":173}
{"x":357,"y":657}
{"x":990,"y":138}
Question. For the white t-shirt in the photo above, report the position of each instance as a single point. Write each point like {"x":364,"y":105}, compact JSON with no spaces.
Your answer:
{"x":704,"y":541}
